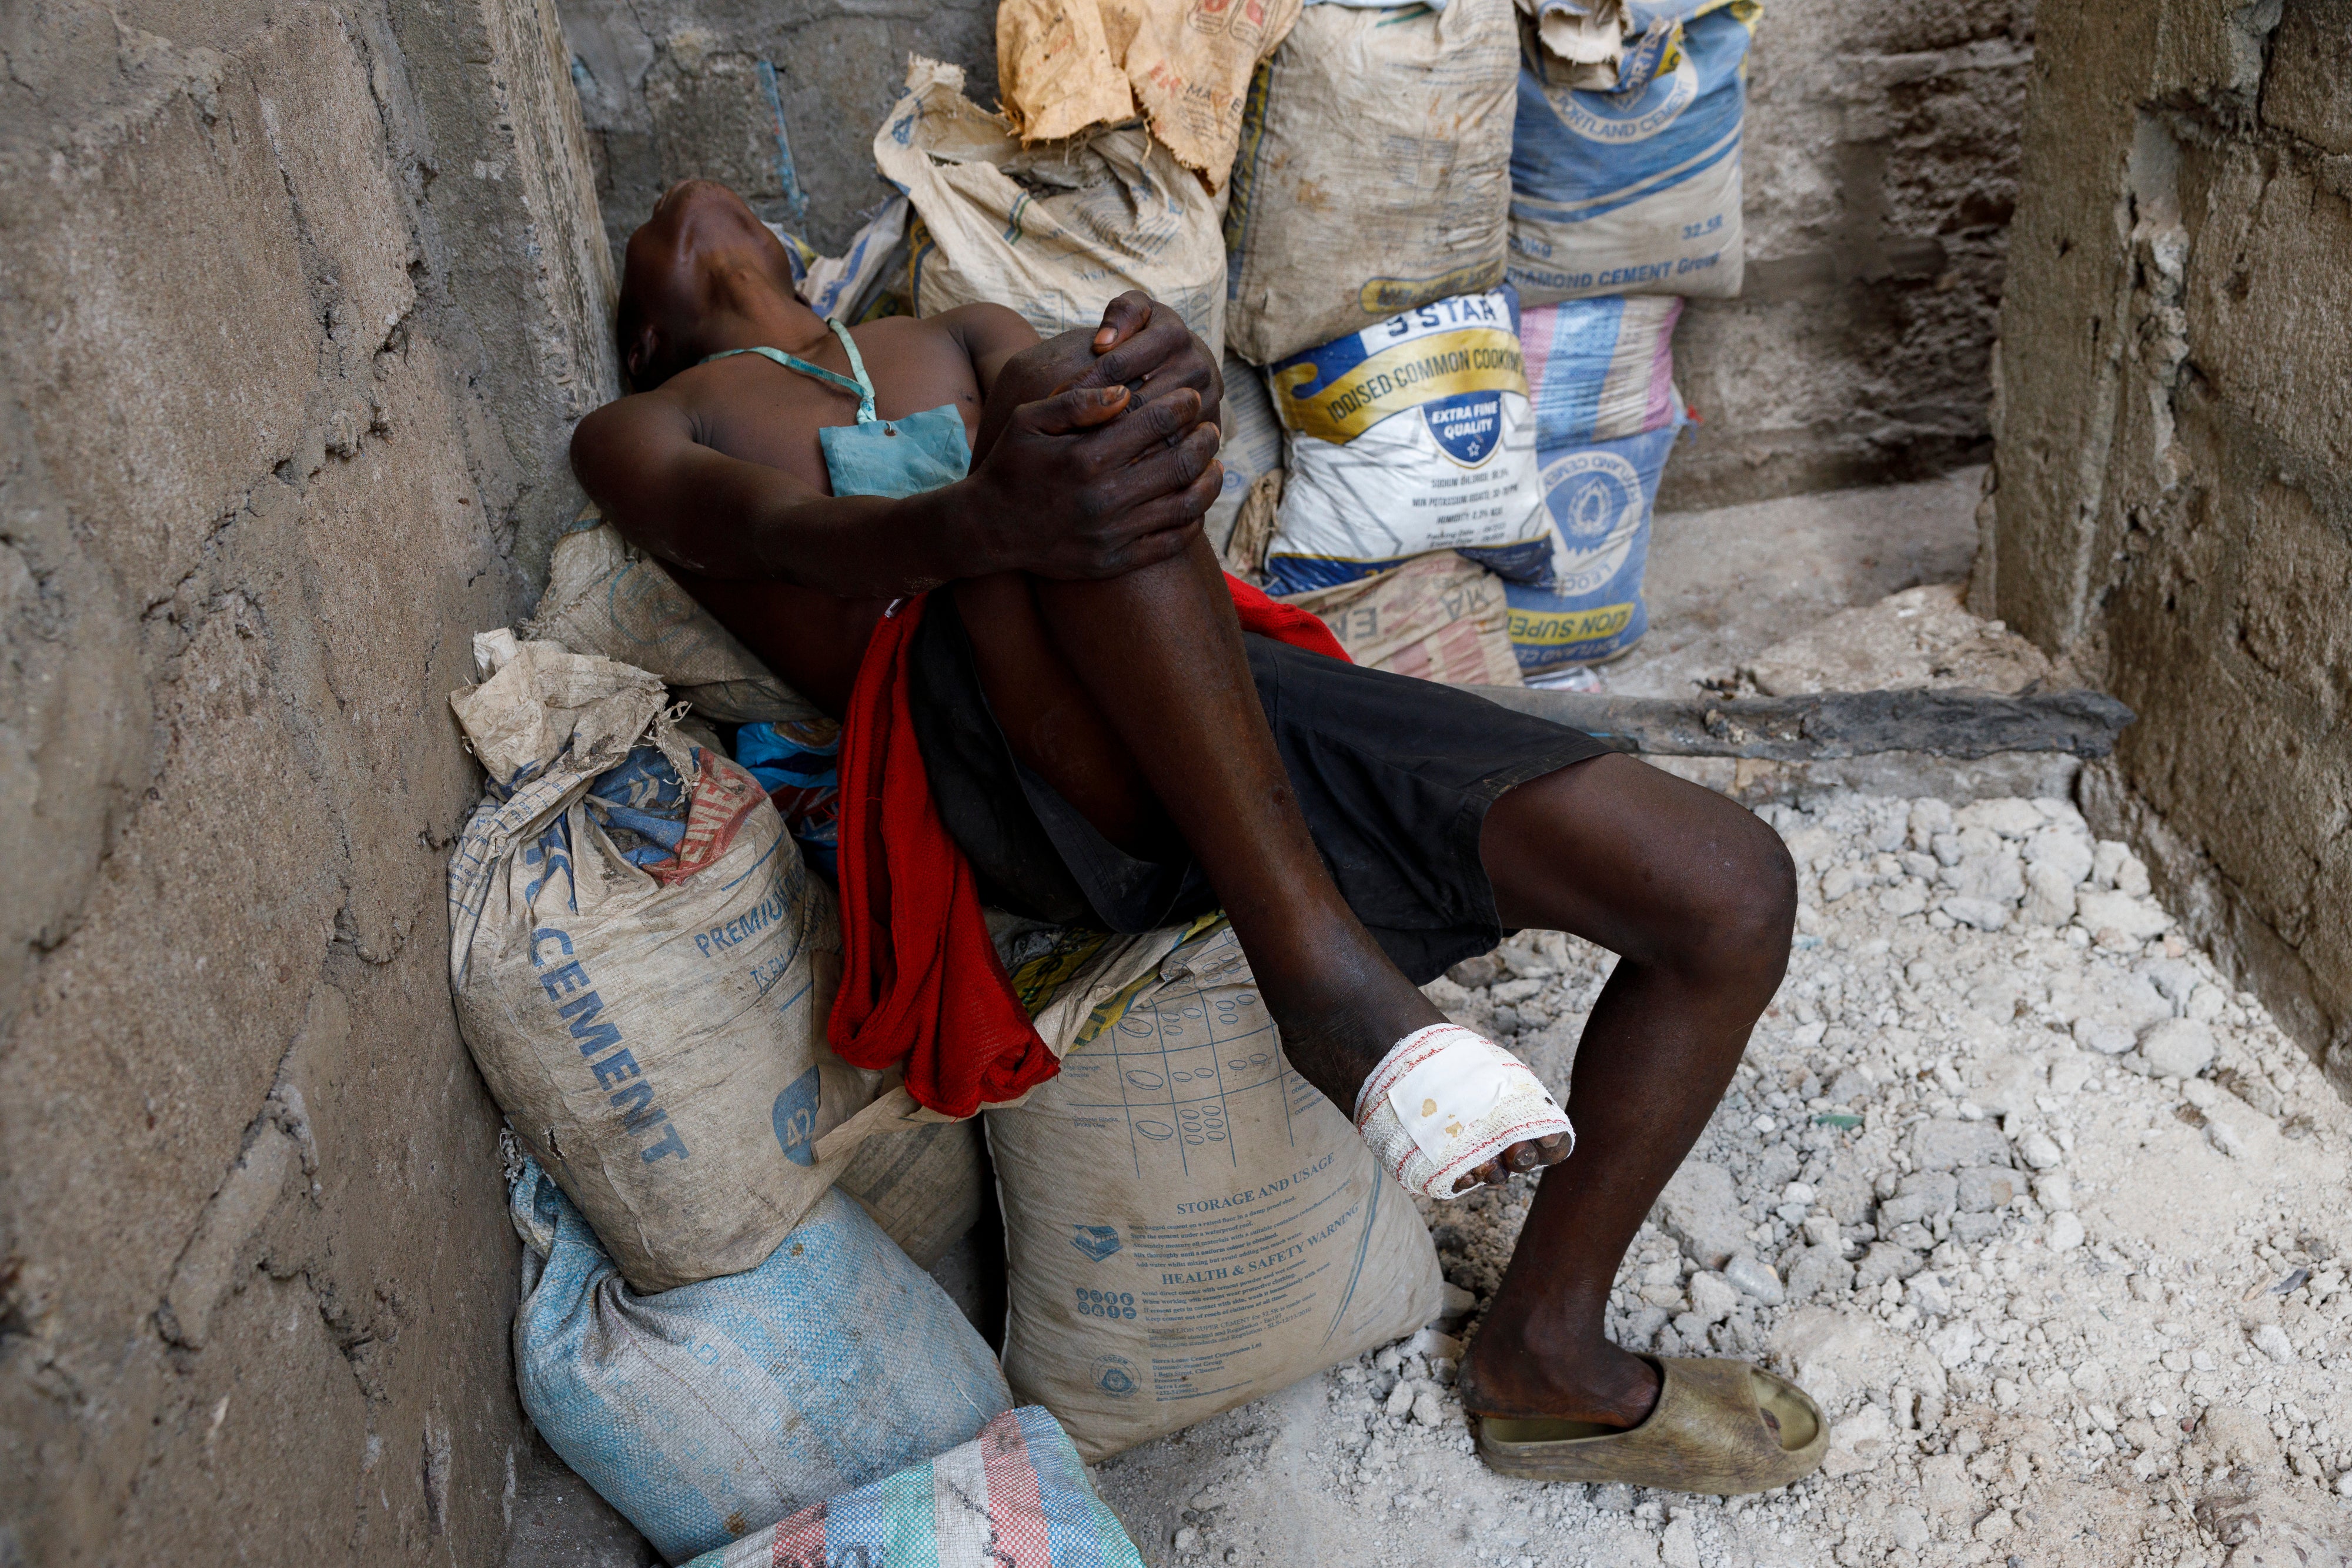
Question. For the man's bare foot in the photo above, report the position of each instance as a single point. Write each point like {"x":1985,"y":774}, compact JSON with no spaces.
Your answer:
{"x":1509,"y":1373}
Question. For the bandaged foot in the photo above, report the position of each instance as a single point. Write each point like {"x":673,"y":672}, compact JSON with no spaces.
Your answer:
{"x":1446,"y":1101}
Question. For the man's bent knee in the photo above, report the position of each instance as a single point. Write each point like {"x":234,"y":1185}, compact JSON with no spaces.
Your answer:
{"x":1744,"y":906}
{"x":1723,"y":898}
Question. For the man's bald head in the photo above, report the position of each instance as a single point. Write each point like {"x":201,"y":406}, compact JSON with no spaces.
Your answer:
{"x":702,"y":256}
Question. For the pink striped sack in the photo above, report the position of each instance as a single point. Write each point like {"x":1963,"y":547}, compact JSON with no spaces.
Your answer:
{"x":1600,"y":370}
{"x":1014,"y":1497}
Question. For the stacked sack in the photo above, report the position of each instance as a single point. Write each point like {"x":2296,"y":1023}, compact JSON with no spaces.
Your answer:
{"x":1605,"y":414}
{"x":1166,"y":1027}
{"x":1107,"y":170}
{"x":1626,"y":193}
{"x":1413,"y":435}
{"x":1188,"y":1224}
{"x":1625,"y":167}
{"x":1365,"y":241}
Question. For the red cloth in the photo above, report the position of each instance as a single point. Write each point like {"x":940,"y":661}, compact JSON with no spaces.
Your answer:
{"x":920,"y":984}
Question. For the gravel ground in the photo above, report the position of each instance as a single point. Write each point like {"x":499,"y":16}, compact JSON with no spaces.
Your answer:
{"x":2049,"y":1219}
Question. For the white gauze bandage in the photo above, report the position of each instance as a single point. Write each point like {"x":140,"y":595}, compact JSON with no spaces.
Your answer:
{"x":1446,"y":1101}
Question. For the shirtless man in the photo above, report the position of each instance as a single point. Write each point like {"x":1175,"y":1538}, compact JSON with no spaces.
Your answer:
{"x":1137,"y":757}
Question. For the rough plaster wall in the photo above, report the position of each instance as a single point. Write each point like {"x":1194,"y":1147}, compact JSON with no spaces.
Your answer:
{"x":2173,"y":510}
{"x":1881,"y":169}
{"x":672,"y":88}
{"x":295,"y":313}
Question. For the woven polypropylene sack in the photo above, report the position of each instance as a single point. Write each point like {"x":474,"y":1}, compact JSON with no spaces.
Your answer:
{"x":1190,"y":1225}
{"x":1635,"y":191}
{"x":1055,"y":232}
{"x":1016,"y":1495}
{"x":1252,"y":446}
{"x":642,"y":967}
{"x":1436,"y":618}
{"x":1374,"y":172}
{"x":1412,"y":435}
{"x":924,"y":1186}
{"x":1600,"y":498}
{"x":703,"y":1411}
{"x":608,"y":598}
{"x":1600,"y":369}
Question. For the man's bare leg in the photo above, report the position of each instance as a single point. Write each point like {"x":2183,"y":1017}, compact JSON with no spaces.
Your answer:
{"x":1697,"y":897}
{"x":1132,"y":695}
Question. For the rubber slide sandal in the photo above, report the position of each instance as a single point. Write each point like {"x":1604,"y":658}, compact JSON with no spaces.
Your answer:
{"x":1719,"y":1428}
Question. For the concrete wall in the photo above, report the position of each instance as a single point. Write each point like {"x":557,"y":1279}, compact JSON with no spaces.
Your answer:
{"x":1881,"y":170}
{"x":2174,"y":504}
{"x":670,"y":88}
{"x":298,"y":302}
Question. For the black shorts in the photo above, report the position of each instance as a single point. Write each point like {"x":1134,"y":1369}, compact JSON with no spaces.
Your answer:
{"x":1393,"y":775}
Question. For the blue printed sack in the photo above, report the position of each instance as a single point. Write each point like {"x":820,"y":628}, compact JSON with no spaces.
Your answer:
{"x":1014,"y":1497}
{"x":1410,"y":436}
{"x":705,"y":1411}
{"x":798,"y":762}
{"x":1600,"y":369}
{"x":1599,"y":498}
{"x":1634,"y":190}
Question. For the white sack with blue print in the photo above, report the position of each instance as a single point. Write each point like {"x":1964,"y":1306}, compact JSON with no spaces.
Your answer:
{"x":1600,"y":495}
{"x":1410,"y":436}
{"x":642,"y":967}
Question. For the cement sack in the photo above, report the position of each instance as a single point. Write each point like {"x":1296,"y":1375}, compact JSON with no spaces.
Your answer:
{"x":606,"y":597}
{"x":1058,"y":231}
{"x":704,"y":1411}
{"x":1252,"y":449}
{"x":1600,"y":369}
{"x":1190,"y":1225}
{"x":1016,"y":1495}
{"x":1065,"y":65}
{"x":1635,"y":191}
{"x":1374,"y":172}
{"x":1437,"y":618}
{"x":642,"y":967}
{"x":1412,"y":435}
{"x":1600,"y":499}
{"x":924,"y":1186}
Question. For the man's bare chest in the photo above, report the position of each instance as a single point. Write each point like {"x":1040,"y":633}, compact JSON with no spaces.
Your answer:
{"x":751,"y":408}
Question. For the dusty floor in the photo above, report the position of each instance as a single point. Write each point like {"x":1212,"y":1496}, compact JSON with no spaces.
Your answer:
{"x":2062,"y":1310}
{"x":1725,"y":585}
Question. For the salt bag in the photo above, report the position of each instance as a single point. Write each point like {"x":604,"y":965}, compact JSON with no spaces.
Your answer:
{"x":1190,"y":1225}
{"x":704,"y":1411}
{"x":1634,"y":190}
{"x":642,"y":967}
{"x":1599,"y":498}
{"x":1412,"y":435}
